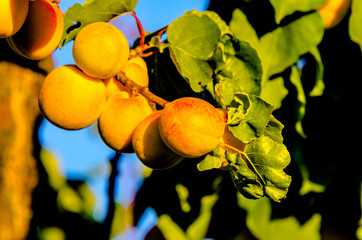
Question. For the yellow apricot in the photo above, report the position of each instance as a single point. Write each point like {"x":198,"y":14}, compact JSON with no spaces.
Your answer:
{"x":136,"y":71}
{"x":191,"y":127}
{"x":120,"y":118}
{"x":149,"y":146}
{"x":41,"y":32}
{"x":114,"y":86}
{"x":101,"y":50}
{"x":138,"y":60}
{"x":70,"y":99}
{"x":12,"y":16}
{"x":333,"y":11}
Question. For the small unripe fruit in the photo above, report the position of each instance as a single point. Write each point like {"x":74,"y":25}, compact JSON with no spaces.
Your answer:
{"x":115,"y":86}
{"x":149,"y":146}
{"x":136,"y":70}
{"x":41,"y":32}
{"x":191,"y":127}
{"x":12,"y":16}
{"x":101,"y":50}
{"x":70,"y":99}
{"x":120,"y":118}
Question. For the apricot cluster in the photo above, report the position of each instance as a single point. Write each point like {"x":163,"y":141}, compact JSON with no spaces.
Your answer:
{"x":105,"y":86}
{"x":33,"y":29}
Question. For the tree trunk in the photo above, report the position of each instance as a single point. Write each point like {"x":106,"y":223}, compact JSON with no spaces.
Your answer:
{"x":20,"y":81}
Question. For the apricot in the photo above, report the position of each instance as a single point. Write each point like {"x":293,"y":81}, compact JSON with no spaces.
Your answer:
{"x":333,"y":11}
{"x":191,"y":127}
{"x":120,"y":118}
{"x":114,"y":86}
{"x":101,"y":50}
{"x":136,"y":70}
{"x":41,"y":32}
{"x":71,"y":99}
{"x":149,"y":146}
{"x":12,"y":16}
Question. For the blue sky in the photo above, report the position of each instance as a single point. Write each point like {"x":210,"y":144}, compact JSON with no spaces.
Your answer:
{"x":81,"y":154}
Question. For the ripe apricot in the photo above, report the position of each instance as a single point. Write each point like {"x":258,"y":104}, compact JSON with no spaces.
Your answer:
{"x":136,"y":70}
{"x":191,"y":127}
{"x":120,"y":118}
{"x":333,"y":11}
{"x":114,"y":86}
{"x":41,"y":32}
{"x":12,"y":16}
{"x":70,"y":99}
{"x":101,"y":50}
{"x":149,"y":146}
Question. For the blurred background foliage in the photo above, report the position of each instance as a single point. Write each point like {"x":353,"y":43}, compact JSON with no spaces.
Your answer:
{"x":133,"y":202}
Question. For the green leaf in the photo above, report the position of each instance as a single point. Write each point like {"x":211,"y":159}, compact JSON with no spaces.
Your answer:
{"x":319,"y":86}
{"x":355,"y":30}
{"x":225,"y":90}
{"x":295,"y":78}
{"x":80,"y":15}
{"x":247,"y":120}
{"x":194,"y":34}
{"x":212,"y":160}
{"x":274,"y":130}
{"x":270,"y":158}
{"x":283,"y":47}
{"x":238,"y":61}
{"x":193,"y":39}
{"x":260,"y":172}
{"x":284,"y":8}
{"x":274,"y":92}
{"x":242,"y":29}
{"x":263,"y":227}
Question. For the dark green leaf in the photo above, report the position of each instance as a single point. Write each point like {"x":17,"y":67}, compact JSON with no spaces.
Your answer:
{"x":260,"y":172}
{"x":80,"y":15}
{"x":238,"y":61}
{"x":252,"y":117}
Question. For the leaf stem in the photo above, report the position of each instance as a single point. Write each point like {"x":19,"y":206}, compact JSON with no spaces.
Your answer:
{"x":121,"y":76}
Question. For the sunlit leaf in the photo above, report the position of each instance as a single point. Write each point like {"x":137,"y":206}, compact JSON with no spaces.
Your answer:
{"x":284,"y":8}
{"x":261,"y":225}
{"x":260,"y":171}
{"x":80,"y":15}
{"x":274,"y":92}
{"x":355,"y":30}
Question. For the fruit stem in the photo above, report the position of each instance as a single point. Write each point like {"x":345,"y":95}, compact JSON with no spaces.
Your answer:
{"x":121,"y":76}
{"x":140,"y":28}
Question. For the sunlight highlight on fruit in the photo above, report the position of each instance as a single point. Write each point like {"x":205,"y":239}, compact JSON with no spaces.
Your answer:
{"x":191,"y":127}
{"x":41,"y":32}
{"x":12,"y":16}
{"x":70,"y":99}
{"x":101,"y":50}
{"x":120,"y":118}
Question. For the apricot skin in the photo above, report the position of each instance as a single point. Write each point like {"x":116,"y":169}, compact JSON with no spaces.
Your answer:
{"x":12,"y":16}
{"x":120,"y":118}
{"x":41,"y":32}
{"x":70,"y":99}
{"x":191,"y":127}
{"x":333,"y":11}
{"x":101,"y":50}
{"x":149,"y":146}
